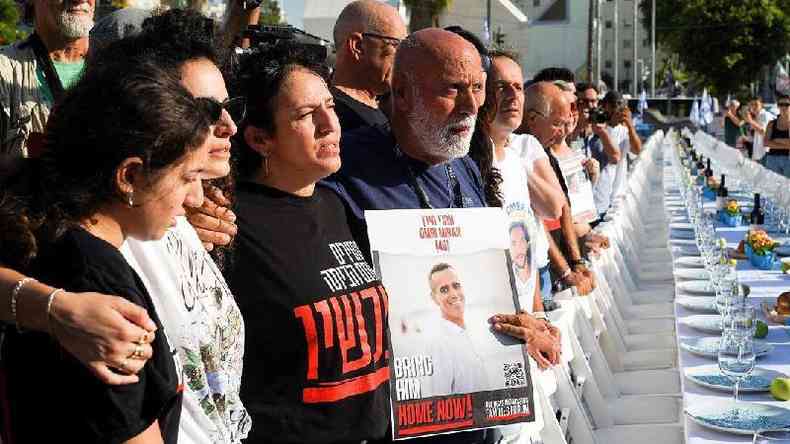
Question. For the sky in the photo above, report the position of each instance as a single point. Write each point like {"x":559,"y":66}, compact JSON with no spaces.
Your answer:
{"x":294,"y":9}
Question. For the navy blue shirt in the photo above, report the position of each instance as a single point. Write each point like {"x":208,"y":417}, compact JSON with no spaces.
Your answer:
{"x":375,"y":176}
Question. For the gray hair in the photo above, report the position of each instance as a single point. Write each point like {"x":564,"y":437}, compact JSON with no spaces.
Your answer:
{"x":537,"y":98}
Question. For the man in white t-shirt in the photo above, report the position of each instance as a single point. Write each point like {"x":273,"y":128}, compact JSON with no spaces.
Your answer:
{"x":622,"y":133}
{"x":757,"y":118}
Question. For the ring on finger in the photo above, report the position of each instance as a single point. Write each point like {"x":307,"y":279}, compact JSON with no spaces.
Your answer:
{"x":124,"y":365}
{"x":138,"y":352}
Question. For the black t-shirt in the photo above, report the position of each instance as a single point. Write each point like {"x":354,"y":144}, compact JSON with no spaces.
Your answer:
{"x":53,"y":397}
{"x":315,"y":313}
{"x":354,"y":114}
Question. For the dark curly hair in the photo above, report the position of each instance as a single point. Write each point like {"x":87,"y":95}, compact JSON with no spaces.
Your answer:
{"x":258,"y":78}
{"x":128,"y":103}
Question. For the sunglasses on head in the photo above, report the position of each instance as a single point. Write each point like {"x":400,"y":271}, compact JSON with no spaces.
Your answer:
{"x":236,"y":108}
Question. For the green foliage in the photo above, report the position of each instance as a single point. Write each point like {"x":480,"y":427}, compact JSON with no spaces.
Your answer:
{"x":270,"y":13}
{"x":9,"y":17}
{"x":425,"y":13}
{"x":722,"y":43}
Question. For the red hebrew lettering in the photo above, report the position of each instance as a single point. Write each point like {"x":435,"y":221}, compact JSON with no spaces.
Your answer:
{"x":370,"y":293}
{"x":306,"y":316}
{"x":326,"y":314}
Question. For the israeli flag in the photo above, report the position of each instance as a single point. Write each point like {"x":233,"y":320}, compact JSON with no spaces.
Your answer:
{"x":694,"y":115}
{"x":642,"y":106}
{"x":706,"y":108}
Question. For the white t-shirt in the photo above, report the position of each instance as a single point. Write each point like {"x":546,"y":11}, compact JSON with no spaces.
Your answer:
{"x":530,"y":150}
{"x":457,"y":365}
{"x":204,"y":324}
{"x":619,"y":136}
{"x":516,"y":204}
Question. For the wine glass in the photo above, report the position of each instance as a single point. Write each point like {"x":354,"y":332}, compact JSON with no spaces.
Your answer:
{"x":736,"y":358}
{"x":743,"y":320}
{"x":771,"y":437}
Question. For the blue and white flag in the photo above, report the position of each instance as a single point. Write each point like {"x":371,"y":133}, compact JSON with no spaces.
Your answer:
{"x":694,"y":114}
{"x":706,"y":108}
{"x":642,"y":106}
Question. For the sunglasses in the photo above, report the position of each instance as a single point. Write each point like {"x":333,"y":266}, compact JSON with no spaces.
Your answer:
{"x":783,"y":104}
{"x":236,"y":108}
{"x":391,"y":41}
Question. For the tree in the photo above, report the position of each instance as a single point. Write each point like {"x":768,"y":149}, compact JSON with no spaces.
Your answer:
{"x":425,"y":13}
{"x":270,"y":13}
{"x":722,"y":43}
{"x":9,"y":16}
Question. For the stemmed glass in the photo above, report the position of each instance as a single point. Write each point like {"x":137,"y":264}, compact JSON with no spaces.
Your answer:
{"x":736,"y":357}
{"x":771,"y":437}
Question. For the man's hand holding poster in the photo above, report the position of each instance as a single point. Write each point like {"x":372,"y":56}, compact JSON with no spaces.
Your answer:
{"x":447,"y":272}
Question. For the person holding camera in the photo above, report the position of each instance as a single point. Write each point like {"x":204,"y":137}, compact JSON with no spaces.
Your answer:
{"x":622,"y":137}
{"x":598,"y":144}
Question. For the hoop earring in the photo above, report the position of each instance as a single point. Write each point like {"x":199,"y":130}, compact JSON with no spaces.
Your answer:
{"x":130,"y":198}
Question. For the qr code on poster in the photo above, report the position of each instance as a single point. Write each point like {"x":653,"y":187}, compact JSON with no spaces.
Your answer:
{"x":514,"y":374}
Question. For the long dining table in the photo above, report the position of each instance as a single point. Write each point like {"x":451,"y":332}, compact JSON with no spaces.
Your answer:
{"x":765,"y":287}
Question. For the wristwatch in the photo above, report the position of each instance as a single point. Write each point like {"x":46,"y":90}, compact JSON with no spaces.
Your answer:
{"x":249,"y":5}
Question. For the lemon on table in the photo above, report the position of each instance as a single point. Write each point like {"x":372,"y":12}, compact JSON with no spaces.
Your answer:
{"x":780,"y":389}
{"x":761,"y":330}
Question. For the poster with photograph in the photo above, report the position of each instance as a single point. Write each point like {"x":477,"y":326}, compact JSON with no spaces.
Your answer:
{"x":580,"y":190}
{"x":446,"y":273}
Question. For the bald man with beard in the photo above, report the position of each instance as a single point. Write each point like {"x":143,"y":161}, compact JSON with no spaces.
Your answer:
{"x":421,"y":162}
{"x":367,"y":34}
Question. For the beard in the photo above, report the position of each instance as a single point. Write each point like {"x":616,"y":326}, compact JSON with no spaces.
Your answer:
{"x":75,"y":26}
{"x":441,"y":142}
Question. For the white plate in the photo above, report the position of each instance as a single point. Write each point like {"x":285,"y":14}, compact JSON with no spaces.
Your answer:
{"x":701,"y":288}
{"x":684,"y":250}
{"x":681,"y":234}
{"x":708,"y":347}
{"x":684,"y":226}
{"x":703,"y":323}
{"x":690,"y":262}
{"x":692,"y":274}
{"x":742,"y":418}
{"x":710,"y":376}
{"x":697,"y":303}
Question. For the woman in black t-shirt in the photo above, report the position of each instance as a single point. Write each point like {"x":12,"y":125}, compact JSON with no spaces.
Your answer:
{"x":315,"y":367}
{"x":123,"y":153}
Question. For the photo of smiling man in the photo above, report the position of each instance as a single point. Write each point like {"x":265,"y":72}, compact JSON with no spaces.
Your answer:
{"x":458,"y":365}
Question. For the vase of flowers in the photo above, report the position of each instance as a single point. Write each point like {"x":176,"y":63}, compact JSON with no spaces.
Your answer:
{"x":731,"y":214}
{"x":762,"y":246}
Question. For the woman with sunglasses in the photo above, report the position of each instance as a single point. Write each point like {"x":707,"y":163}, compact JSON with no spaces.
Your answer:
{"x":315,"y":366}
{"x":193,"y":301}
{"x":124,"y":153}
{"x":777,"y":139}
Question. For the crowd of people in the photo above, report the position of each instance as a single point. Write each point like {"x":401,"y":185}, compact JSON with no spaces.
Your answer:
{"x":168,"y":211}
{"x":760,"y":135}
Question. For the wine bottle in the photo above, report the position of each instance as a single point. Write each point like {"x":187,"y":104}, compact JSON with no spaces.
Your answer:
{"x":708,"y":171}
{"x":757,"y":217}
{"x":721,"y":195}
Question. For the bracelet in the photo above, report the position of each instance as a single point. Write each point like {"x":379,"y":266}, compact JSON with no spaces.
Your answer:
{"x":14,"y":295}
{"x":50,"y":300}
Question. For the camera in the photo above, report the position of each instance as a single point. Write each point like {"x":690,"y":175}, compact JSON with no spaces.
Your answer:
{"x":265,"y":38}
{"x":599,"y":115}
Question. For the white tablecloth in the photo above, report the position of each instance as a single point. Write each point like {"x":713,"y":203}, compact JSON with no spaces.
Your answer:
{"x":765,"y":286}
